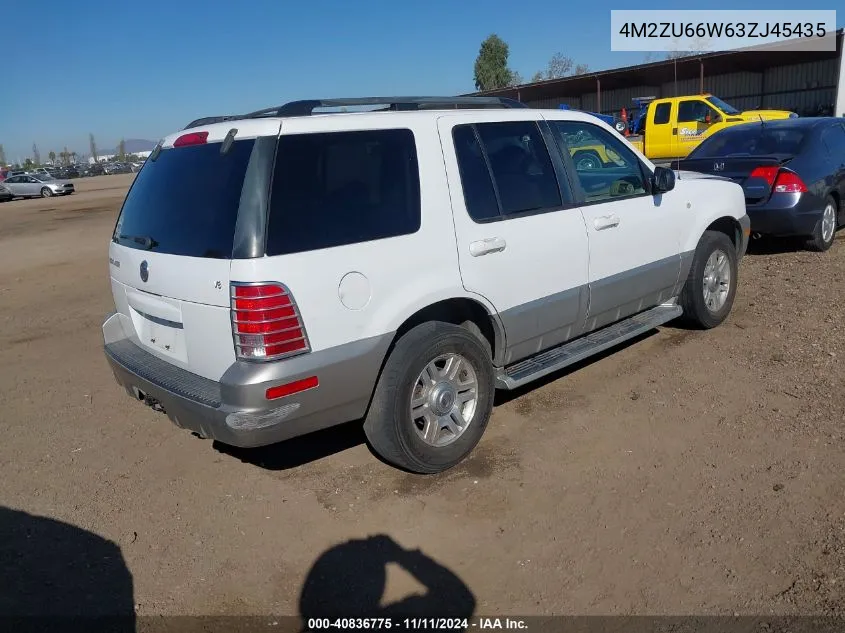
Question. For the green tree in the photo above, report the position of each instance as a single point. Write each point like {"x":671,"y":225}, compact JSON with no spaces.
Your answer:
{"x":121,"y":149}
{"x":28,"y":164}
{"x":581,"y":69}
{"x":491,"y":65}
{"x":2,"y":155}
{"x":73,"y":156}
{"x":516,"y":79}
{"x":92,"y":144}
{"x":36,"y":155}
{"x":52,"y":156}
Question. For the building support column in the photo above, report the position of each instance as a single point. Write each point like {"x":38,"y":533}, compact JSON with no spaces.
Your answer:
{"x":598,"y":95}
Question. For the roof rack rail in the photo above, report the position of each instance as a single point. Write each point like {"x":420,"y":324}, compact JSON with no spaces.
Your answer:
{"x":211,"y":119}
{"x":306,"y":107}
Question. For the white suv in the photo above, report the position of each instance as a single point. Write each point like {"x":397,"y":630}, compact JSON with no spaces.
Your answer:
{"x":288,"y":270}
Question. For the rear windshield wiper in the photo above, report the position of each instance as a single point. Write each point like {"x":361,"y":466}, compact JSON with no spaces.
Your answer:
{"x":143,"y":240}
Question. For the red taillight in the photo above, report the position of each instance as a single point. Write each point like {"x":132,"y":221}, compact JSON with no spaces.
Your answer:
{"x":766,"y":173}
{"x":193,"y":138}
{"x":789,"y":182}
{"x":266,"y":323}
{"x":292,"y":387}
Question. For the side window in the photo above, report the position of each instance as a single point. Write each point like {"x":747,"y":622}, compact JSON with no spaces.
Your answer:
{"x":479,"y":195}
{"x":336,"y":188}
{"x":661,"y":113}
{"x":834,"y":138}
{"x":695,"y":111}
{"x":13,"y":180}
{"x":521,"y":166}
{"x":606,"y":168}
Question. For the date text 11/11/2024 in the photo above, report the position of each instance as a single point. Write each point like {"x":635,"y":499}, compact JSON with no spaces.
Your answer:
{"x":431,"y":624}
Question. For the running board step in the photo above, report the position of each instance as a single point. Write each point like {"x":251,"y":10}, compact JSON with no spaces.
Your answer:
{"x":574,"y":351}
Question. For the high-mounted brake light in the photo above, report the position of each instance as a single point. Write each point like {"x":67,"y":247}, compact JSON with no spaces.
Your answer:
{"x":266,"y":323}
{"x":193,"y":138}
{"x":789,"y":182}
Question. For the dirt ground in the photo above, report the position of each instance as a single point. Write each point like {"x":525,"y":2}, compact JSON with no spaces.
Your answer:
{"x":687,"y":473}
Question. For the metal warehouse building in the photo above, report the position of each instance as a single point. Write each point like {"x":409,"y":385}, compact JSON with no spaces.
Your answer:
{"x":811,"y":83}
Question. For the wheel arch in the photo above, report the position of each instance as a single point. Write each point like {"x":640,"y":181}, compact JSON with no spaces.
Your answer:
{"x":461,"y":311}
{"x":730,"y":226}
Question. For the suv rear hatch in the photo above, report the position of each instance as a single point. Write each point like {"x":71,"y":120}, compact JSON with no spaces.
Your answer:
{"x":176,"y":234}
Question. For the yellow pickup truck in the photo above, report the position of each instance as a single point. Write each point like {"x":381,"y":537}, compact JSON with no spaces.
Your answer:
{"x":674,"y":126}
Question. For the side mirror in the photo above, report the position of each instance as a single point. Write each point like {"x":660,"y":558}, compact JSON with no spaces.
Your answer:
{"x":663,"y":180}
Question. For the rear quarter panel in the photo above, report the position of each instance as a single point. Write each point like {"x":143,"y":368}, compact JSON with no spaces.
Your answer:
{"x":709,"y":198}
{"x":357,"y":291}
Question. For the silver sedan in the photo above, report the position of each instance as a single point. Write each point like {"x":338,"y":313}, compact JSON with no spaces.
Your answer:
{"x":34,"y":185}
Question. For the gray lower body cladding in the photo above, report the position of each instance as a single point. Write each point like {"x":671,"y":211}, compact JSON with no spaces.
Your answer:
{"x":539,"y":325}
{"x":235,"y":410}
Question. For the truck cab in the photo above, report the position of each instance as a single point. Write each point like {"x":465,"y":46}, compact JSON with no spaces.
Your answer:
{"x":674,"y":126}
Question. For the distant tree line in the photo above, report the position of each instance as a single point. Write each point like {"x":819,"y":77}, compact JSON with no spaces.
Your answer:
{"x":492,"y":70}
{"x":66,"y":157}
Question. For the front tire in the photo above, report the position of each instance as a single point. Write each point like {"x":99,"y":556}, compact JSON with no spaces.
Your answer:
{"x":433,"y":399}
{"x":46,"y":192}
{"x":708,"y":294}
{"x":825,"y":229}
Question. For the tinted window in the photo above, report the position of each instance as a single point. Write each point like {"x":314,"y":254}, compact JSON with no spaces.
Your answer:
{"x":695,"y":111}
{"x":753,"y":140}
{"x":834,"y":138}
{"x":343,"y":188}
{"x":479,"y":196}
{"x":606,"y":168}
{"x":521,"y":166}
{"x":186,"y":201}
{"x":661,"y":113}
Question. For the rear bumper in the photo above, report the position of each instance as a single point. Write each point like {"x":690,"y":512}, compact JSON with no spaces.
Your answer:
{"x":235,"y":410}
{"x":787,"y":215}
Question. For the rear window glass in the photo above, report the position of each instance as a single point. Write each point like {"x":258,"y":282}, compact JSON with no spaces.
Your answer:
{"x":186,"y":201}
{"x":756,"y":141}
{"x":332,"y":189}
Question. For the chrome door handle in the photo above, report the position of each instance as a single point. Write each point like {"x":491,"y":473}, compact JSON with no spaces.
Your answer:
{"x":485,"y":246}
{"x":606,"y":222}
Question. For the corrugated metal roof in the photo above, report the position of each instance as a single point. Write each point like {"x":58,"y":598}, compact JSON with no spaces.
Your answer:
{"x":743,"y":66}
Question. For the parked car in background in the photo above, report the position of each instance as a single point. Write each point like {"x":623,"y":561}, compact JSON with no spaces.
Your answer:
{"x":35,"y":185}
{"x":792,"y":172}
{"x":66,"y":172}
{"x":95,"y":169}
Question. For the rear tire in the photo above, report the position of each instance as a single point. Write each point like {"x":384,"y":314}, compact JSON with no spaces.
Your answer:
{"x":46,"y":192}
{"x":708,"y":294}
{"x":433,"y":399}
{"x":825,"y":230}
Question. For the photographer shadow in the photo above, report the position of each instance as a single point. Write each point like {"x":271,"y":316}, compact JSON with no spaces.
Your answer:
{"x":349,"y":580}
{"x":58,"y":577}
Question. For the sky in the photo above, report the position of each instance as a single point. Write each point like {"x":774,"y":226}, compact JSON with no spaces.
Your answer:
{"x":145,"y":68}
